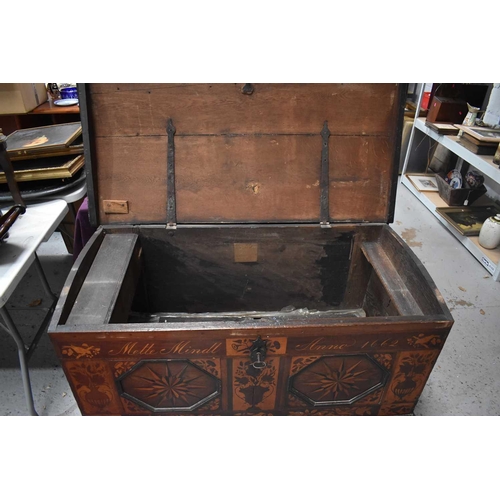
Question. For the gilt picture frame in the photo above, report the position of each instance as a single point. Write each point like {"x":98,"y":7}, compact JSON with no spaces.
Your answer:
{"x":467,"y":220}
{"x":42,"y":139}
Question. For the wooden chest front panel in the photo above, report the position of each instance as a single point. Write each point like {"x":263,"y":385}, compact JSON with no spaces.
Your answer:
{"x":324,"y":372}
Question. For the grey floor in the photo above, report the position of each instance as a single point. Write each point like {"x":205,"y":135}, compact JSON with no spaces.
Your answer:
{"x":465,"y":380}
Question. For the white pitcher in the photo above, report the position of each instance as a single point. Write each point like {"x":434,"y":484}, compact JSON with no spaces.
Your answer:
{"x":489,"y":236}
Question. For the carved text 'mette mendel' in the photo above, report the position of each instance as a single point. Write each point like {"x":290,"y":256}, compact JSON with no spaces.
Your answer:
{"x":135,"y":349}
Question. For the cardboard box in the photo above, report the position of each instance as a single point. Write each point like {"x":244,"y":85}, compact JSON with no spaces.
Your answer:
{"x":17,"y":98}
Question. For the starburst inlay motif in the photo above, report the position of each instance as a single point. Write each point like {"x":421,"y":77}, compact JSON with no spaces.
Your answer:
{"x":337,"y":379}
{"x":170,"y":384}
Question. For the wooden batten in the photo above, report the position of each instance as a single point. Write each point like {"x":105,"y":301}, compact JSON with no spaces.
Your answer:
{"x":242,"y":158}
{"x":107,"y":292}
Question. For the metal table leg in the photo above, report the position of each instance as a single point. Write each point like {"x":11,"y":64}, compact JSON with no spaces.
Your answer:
{"x":43,"y":279}
{"x":11,"y":329}
{"x":24,"y":351}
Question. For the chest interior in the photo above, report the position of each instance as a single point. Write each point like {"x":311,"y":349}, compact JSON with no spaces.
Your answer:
{"x":256,"y":276}
{"x":220,"y":203}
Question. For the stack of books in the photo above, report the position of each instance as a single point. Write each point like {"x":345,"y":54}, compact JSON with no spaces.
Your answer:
{"x":50,"y":152}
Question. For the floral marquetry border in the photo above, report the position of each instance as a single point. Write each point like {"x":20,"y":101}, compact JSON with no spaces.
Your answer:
{"x":410,"y":375}
{"x":80,"y":351}
{"x":255,"y":389}
{"x":301,"y":362}
{"x":211,"y":366}
{"x":426,"y":341}
{"x":386,"y":360}
{"x":93,"y":383}
{"x":122,"y":366}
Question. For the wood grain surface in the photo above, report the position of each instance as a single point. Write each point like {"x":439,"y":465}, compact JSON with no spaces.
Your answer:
{"x":350,"y":109}
{"x":242,"y":179}
{"x":245,"y":158}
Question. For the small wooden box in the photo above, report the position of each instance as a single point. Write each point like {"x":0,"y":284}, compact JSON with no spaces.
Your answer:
{"x":253,"y":270}
{"x":457,"y":197}
{"x":446,"y":110}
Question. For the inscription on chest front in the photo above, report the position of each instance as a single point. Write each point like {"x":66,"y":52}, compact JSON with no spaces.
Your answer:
{"x":241,"y":346}
{"x":322,"y":344}
{"x":184,"y":347}
{"x":343,"y":343}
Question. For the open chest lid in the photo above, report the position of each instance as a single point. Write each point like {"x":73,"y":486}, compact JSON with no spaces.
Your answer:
{"x":241,"y":153}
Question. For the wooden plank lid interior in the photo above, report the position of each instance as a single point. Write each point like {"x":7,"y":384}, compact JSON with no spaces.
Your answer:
{"x":239,"y":153}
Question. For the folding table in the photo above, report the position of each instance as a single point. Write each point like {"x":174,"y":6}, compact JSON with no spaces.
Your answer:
{"x":17,"y":253}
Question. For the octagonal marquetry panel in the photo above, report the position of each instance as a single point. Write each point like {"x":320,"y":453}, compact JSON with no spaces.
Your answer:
{"x":169,"y":385}
{"x":336,"y":380}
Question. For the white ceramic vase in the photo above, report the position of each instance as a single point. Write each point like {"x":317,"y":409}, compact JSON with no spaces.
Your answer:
{"x":489,"y":236}
{"x":470,"y":119}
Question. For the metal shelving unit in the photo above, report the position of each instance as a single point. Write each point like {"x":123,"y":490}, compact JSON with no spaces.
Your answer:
{"x":489,"y":259}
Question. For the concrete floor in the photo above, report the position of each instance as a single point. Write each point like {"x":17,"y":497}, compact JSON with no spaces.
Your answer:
{"x":465,"y":380}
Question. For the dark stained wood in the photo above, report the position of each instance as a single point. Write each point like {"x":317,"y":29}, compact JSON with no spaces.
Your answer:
{"x":359,"y":272}
{"x":392,"y":281}
{"x":194,"y":270}
{"x":370,"y":327}
{"x":415,"y":276}
{"x":377,"y":301}
{"x":100,"y":292}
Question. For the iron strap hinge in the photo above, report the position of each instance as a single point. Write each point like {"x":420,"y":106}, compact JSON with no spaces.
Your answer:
{"x":171,"y":210}
{"x":325,"y":178}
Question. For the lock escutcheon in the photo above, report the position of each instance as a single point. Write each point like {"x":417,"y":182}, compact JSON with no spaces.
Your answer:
{"x":258,"y":352}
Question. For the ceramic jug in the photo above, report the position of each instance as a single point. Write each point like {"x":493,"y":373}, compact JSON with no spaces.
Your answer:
{"x":470,"y":119}
{"x":489,"y":236}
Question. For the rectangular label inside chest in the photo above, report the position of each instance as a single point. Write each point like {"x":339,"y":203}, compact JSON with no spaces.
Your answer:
{"x":246,"y":252}
{"x":115,"y":206}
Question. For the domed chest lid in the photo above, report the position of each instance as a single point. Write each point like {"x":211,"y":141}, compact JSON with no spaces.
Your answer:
{"x":237,"y":153}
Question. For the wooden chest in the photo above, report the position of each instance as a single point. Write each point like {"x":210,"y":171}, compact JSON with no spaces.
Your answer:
{"x":243,"y":263}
